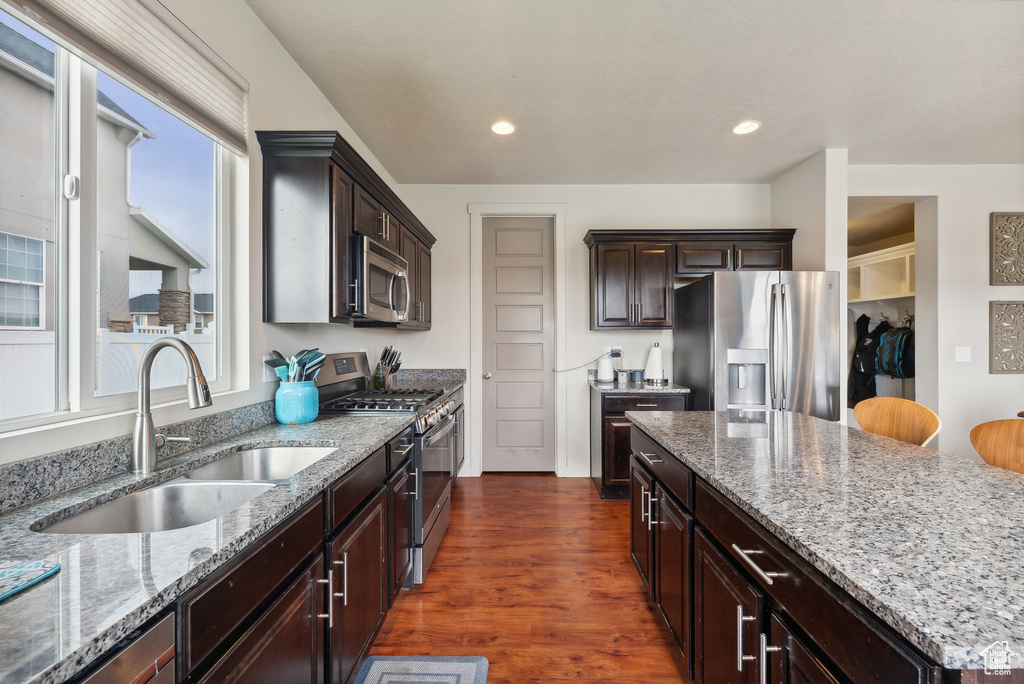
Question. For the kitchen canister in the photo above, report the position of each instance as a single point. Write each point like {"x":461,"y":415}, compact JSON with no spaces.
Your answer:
{"x":296,"y":402}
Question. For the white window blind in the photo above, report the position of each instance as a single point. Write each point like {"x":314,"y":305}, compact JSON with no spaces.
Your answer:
{"x":145,"y":44}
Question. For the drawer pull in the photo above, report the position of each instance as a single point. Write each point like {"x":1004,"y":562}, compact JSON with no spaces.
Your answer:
{"x":740,"y":619}
{"x":650,"y":511}
{"x":765,"y":650}
{"x":644,"y":494}
{"x":745,"y":554}
{"x":403,"y":452}
{"x":416,"y":478}
{"x":647,"y":406}
{"x":650,"y":461}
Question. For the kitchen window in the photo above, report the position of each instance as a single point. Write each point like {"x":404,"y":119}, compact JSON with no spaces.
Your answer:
{"x":112,"y":214}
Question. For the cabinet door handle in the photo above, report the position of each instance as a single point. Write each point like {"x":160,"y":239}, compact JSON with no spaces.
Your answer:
{"x":343,"y":594}
{"x":643,"y":506}
{"x":745,"y":554}
{"x":650,"y":461}
{"x":740,"y":619}
{"x":765,"y":650}
{"x":640,"y":314}
{"x":403,"y":452}
{"x":416,"y":479}
{"x":646,"y":406}
{"x":650,"y":511}
{"x":329,"y":615}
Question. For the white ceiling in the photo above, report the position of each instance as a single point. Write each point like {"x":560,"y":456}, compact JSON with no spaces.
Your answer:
{"x":646,"y":91}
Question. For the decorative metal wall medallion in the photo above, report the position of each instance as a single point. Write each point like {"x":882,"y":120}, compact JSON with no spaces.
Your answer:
{"x":1006,"y":237}
{"x":1006,"y":321}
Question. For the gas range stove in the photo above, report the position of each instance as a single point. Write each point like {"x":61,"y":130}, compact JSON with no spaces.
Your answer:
{"x":344,"y":387}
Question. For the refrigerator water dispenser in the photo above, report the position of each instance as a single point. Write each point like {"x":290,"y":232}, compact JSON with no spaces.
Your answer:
{"x":748,"y":373}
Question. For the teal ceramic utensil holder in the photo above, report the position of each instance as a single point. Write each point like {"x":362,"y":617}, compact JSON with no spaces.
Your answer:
{"x":296,"y":402}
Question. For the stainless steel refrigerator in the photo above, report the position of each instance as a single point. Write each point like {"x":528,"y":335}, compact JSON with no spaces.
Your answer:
{"x":760,"y":340}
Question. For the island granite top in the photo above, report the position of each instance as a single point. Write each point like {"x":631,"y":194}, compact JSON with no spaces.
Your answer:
{"x":109,"y":585}
{"x":931,"y":543}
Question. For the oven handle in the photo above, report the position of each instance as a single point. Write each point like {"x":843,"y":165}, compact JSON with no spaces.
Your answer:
{"x":440,"y":430}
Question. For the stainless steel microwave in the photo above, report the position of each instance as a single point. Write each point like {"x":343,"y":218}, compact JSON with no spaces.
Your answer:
{"x":381,"y":282}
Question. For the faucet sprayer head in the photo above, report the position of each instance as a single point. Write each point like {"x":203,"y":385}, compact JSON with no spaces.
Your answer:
{"x":198,"y":391}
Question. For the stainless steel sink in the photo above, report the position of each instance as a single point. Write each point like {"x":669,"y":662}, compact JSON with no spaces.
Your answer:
{"x":175,"y":504}
{"x":269,"y":464}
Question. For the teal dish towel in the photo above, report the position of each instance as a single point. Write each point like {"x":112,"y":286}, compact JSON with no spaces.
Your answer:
{"x":18,"y":575}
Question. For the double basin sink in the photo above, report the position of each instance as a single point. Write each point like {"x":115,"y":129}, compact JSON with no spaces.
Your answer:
{"x":208,"y":492}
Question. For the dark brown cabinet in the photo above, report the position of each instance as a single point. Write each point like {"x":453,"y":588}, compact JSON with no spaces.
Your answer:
{"x":149,"y":657}
{"x":789,"y":660}
{"x":610,"y":435}
{"x":376,"y":222}
{"x":400,"y":500}
{"x":673,"y":544}
{"x":317,"y":193}
{"x":727,"y":616}
{"x":753,"y":607}
{"x":631,"y":285}
{"x":418,"y":257}
{"x":703,"y":258}
{"x":632,"y":271}
{"x":641,"y":542}
{"x":286,"y":643}
{"x":357,"y":584}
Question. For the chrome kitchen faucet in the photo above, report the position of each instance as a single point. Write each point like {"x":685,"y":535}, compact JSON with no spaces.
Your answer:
{"x":145,"y":441}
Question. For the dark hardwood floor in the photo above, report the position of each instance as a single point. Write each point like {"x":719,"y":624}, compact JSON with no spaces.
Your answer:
{"x":535,"y":575}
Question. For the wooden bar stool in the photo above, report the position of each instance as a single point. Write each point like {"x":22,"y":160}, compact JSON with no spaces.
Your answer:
{"x":900,"y":419}
{"x":1001,"y":443}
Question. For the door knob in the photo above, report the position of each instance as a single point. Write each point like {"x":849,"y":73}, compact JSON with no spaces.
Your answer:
{"x":487,"y":376}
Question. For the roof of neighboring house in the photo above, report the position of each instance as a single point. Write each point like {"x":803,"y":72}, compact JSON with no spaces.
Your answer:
{"x":165,"y":236}
{"x":202,"y":302}
{"x":37,"y":57}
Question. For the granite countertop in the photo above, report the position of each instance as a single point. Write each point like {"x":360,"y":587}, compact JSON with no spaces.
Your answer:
{"x":637,"y":388}
{"x":931,"y":543}
{"x":109,"y":585}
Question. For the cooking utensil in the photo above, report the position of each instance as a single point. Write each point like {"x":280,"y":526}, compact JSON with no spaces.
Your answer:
{"x":275,"y":362}
{"x":277,"y":355}
{"x":282,"y":372}
{"x":293,"y":369}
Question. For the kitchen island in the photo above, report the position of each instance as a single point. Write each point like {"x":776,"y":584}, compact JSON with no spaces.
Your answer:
{"x":928,"y":543}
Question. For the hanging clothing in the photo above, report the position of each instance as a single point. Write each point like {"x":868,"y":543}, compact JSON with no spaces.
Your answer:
{"x":861,"y":381}
{"x":895,"y":356}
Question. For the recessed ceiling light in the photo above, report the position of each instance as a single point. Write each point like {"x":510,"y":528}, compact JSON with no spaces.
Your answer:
{"x":503,"y":127}
{"x":748,"y":126}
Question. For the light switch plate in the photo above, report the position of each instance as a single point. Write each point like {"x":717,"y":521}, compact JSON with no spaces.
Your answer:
{"x":963,"y":354}
{"x":268,"y":373}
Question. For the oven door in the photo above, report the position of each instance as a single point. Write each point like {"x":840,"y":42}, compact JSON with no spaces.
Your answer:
{"x":383,"y":283}
{"x":435,"y":474}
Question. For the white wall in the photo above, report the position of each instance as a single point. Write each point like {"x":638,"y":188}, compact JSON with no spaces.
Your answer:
{"x":444,"y":209}
{"x":964,"y":196}
{"x":812,"y":198}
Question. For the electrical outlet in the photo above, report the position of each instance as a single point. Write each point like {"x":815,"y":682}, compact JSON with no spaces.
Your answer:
{"x":617,"y":350}
{"x":268,"y":373}
{"x":591,"y":375}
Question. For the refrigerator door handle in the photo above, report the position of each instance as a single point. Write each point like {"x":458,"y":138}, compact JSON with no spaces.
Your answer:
{"x":771,"y":345}
{"x":785,"y":348}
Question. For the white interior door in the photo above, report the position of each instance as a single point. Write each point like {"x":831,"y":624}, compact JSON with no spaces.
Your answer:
{"x":518,"y":344}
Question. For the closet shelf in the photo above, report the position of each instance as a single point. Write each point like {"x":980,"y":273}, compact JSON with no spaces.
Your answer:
{"x":881,"y":276}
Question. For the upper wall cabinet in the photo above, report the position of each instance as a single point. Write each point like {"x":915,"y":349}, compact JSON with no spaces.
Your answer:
{"x":631,"y":271}
{"x":317,"y":193}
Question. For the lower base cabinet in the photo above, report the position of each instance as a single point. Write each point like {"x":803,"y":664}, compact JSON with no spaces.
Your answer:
{"x":358,"y":587}
{"x":727,"y":615}
{"x":673,"y":542}
{"x":285,"y":643}
{"x":745,"y":608}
